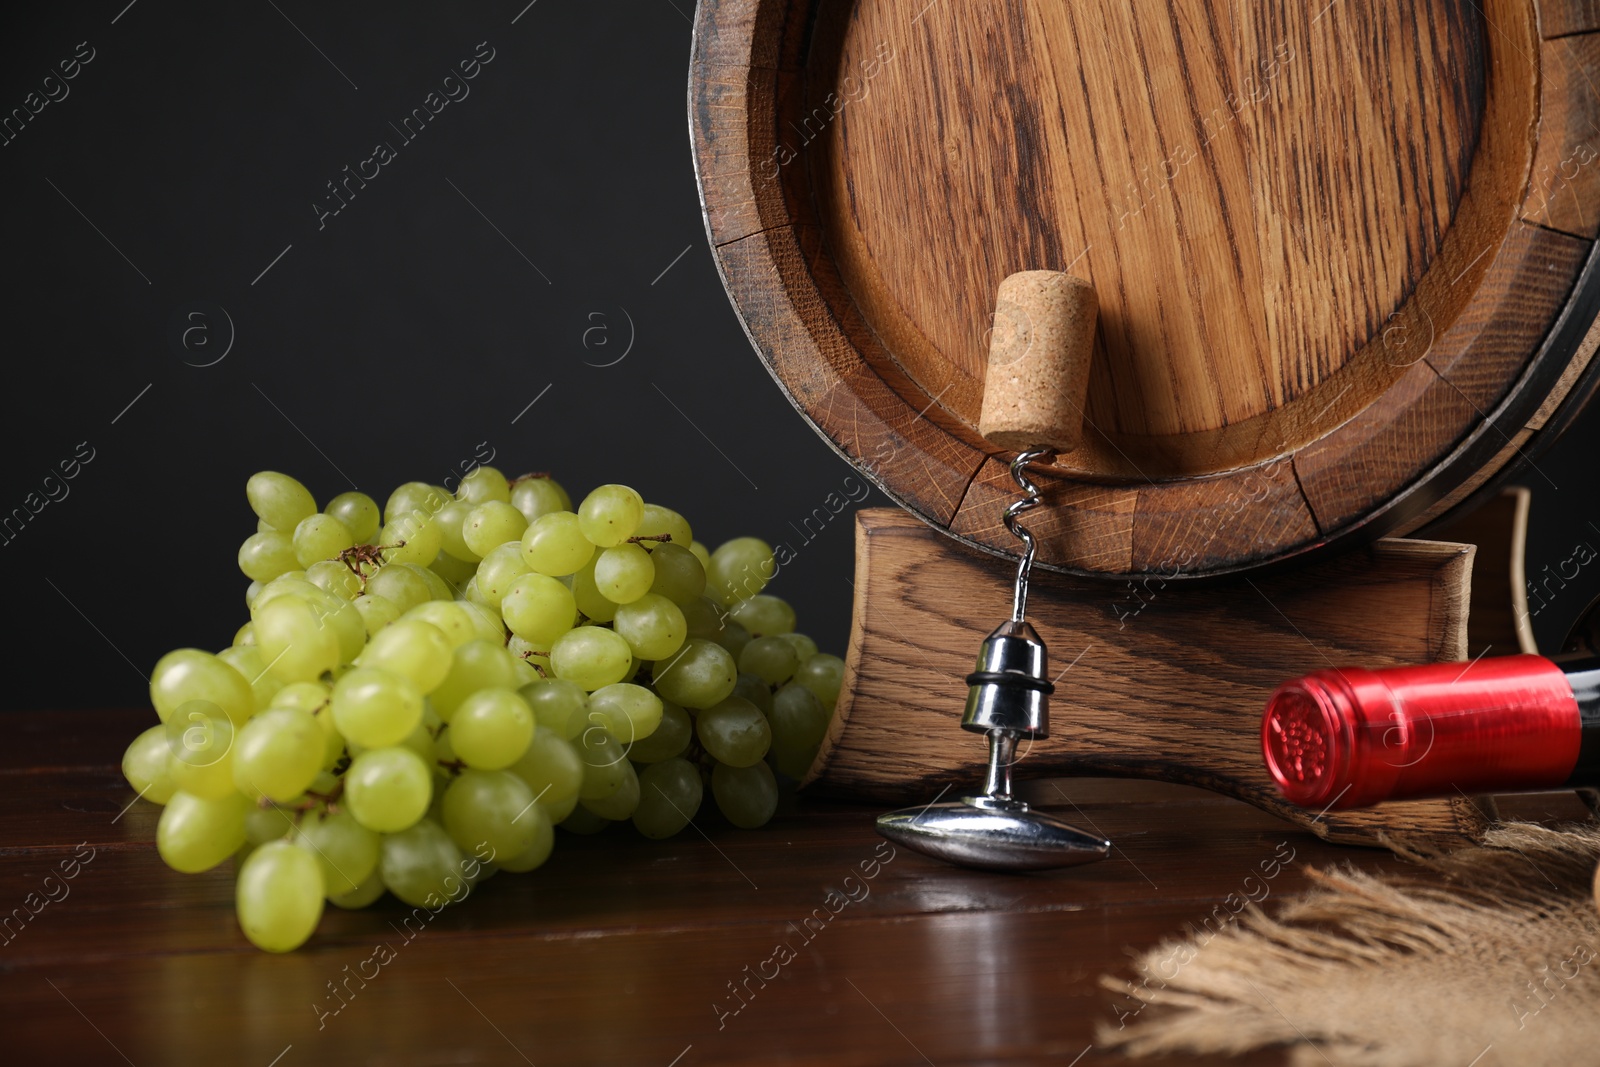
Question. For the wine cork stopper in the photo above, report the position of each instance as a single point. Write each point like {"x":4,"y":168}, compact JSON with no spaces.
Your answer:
{"x":1033,"y":392}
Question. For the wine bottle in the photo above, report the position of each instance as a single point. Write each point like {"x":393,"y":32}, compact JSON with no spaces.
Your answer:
{"x":1350,"y":737}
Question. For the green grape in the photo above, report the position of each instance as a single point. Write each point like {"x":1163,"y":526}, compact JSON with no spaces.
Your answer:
{"x":554,"y":544}
{"x":359,"y":514}
{"x":421,"y":739}
{"x":246,"y":659}
{"x":610,"y":515}
{"x":245,"y":635}
{"x":733,"y":638}
{"x":440,"y":584}
{"x":701,"y":553}
{"x":452,"y":521}
{"x":657,"y":520}
{"x":701,"y":674}
{"x":605,"y":764}
{"x":734,"y":732}
{"x":376,"y":612}
{"x":450,"y":617}
{"x":195,"y":834}
{"x":739,"y":570}
{"x":798,"y":718}
{"x":586,"y":594}
{"x":804,"y":647}
{"x":401,"y":586}
{"x":200,"y":746}
{"x":362,"y":896}
{"x":500,"y":568}
{"x":550,"y":767}
{"x":415,"y":538}
{"x":332,"y":576}
{"x":560,"y":706}
{"x":476,"y":665}
{"x":423,"y":867}
{"x":539,"y":609}
{"x":250,"y":593}
{"x":491,"y":729}
{"x":669,"y":738}
{"x":345,"y":621}
{"x":264,"y":556}
{"x":525,"y":671}
{"x":772,"y":659}
{"x":755,"y":691}
{"x":278,"y":754}
{"x":294,"y":638}
{"x":764,"y":615}
{"x":490,"y":810}
{"x":147,"y":765}
{"x":537,"y":495}
{"x":823,"y":675}
{"x":484,"y":485}
{"x":538,"y":849}
{"x":320,"y":537}
{"x":190,"y":674}
{"x":309,"y":697}
{"x":410,"y":498}
{"x":387,"y":789}
{"x":376,"y":708}
{"x":583,"y":821}
{"x":279,"y":896}
{"x":469,"y":592}
{"x":416,"y":649}
{"x":619,"y":804}
{"x":747,"y":796}
{"x":492,"y":524}
{"x":591,"y":656}
{"x":346,"y":851}
{"x":669,"y":796}
{"x":704,"y":619}
{"x":266,"y":824}
{"x":626,"y":711}
{"x":653,"y":626}
{"x":623,"y":573}
{"x":486,"y":622}
{"x":678,"y":574}
{"x":292,"y":583}
{"x":278,"y":500}
{"x":560,"y":809}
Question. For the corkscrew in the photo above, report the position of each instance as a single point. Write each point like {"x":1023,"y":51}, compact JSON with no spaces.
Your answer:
{"x":1008,"y":700}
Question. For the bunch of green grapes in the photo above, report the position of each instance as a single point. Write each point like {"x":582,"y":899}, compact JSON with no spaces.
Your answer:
{"x":423,"y":692}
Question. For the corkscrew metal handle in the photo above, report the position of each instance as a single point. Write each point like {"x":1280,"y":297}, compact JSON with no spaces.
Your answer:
{"x":1031,"y":499}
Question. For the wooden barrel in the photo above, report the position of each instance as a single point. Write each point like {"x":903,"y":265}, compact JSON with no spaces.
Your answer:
{"x":1343,"y":251}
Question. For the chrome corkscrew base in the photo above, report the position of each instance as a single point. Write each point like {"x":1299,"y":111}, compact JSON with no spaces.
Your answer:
{"x":993,"y":831}
{"x":1007,"y":699}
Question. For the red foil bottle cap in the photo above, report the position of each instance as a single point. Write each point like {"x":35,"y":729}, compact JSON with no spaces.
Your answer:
{"x":1350,"y":737}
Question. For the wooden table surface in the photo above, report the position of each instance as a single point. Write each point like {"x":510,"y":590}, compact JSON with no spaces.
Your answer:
{"x":618,"y":951}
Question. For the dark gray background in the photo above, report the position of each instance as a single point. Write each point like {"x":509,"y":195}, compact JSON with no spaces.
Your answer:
{"x":419,"y":322}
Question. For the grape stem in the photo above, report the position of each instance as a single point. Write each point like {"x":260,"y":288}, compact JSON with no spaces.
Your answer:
{"x":663,"y":537}
{"x":454,"y":766}
{"x":356,"y":556}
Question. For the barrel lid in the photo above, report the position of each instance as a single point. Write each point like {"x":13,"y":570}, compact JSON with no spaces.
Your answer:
{"x":1342,"y":253}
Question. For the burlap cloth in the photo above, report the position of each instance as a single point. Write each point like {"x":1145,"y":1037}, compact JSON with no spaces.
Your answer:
{"x":1493,"y":965}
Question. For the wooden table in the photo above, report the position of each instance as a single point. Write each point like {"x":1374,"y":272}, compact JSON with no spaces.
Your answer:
{"x":618,"y":951}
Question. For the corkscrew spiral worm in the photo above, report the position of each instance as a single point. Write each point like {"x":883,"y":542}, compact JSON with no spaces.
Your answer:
{"x":1012,"y":517}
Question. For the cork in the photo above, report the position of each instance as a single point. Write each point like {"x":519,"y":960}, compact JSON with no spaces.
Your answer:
{"x":1033,"y":392}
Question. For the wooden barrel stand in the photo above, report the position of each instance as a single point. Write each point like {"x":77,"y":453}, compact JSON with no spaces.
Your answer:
{"x":1159,"y":679}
